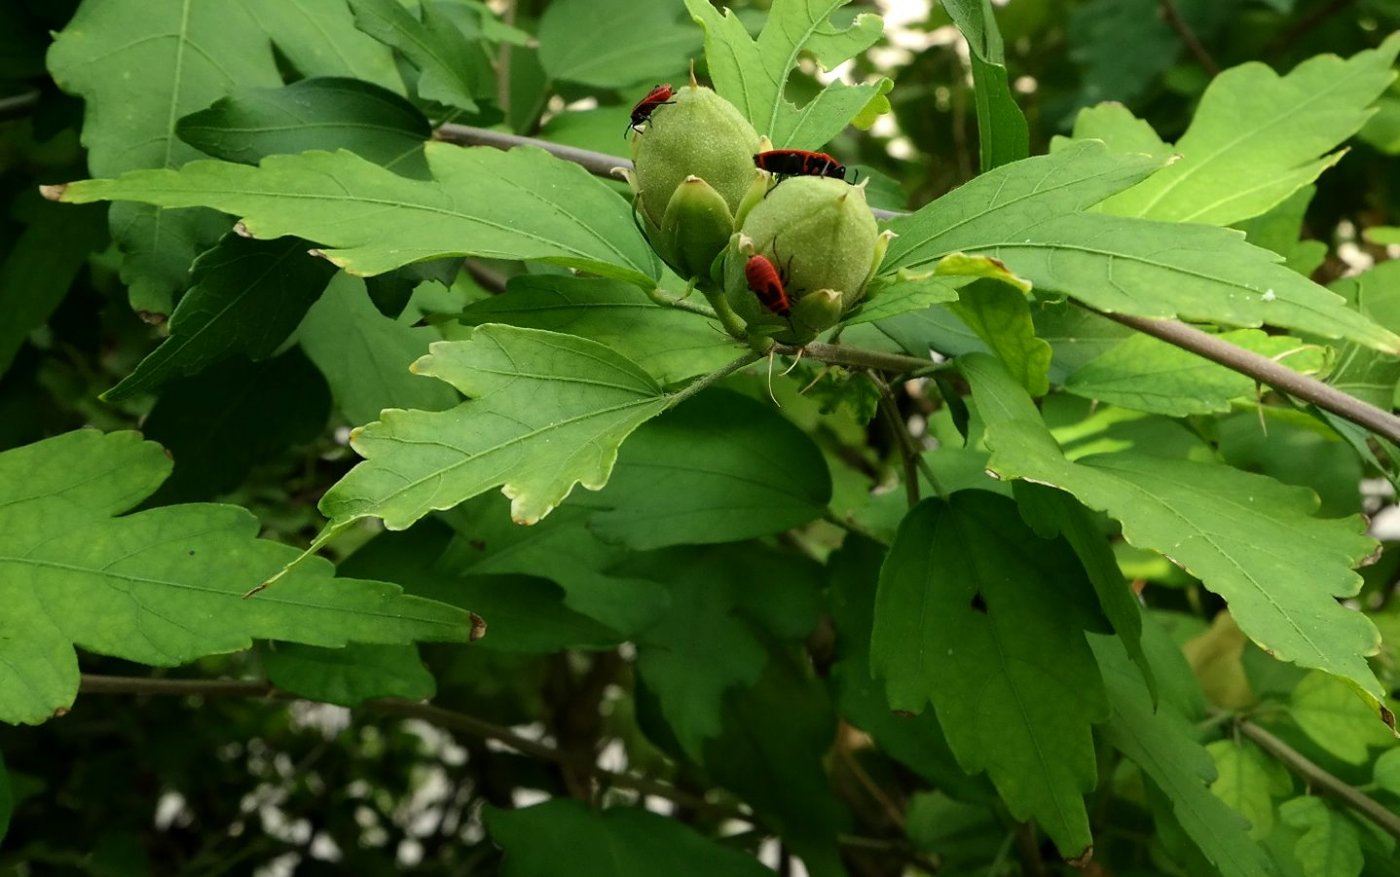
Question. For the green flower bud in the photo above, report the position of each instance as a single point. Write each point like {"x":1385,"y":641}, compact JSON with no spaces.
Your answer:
{"x":694,"y":230}
{"x":699,"y":135}
{"x":821,"y":236}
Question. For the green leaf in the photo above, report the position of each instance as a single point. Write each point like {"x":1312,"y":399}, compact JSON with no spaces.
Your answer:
{"x":1296,"y":448}
{"x":1331,"y":843}
{"x":901,"y":295}
{"x":560,"y":548}
{"x":979,"y":616}
{"x":331,"y":113}
{"x":1146,"y":374}
{"x":545,"y":412}
{"x":707,"y":642}
{"x":1334,"y":718}
{"x":524,"y":614}
{"x":1025,"y":214}
{"x":615,"y":43}
{"x":776,"y":735}
{"x":140,"y":65}
{"x":1256,"y":138}
{"x":521,"y":204}
{"x":619,"y":842}
{"x":1281,"y":228}
{"x":916,"y":741}
{"x":1161,"y":741}
{"x":1001,"y":316}
{"x":220,"y":423}
{"x":247,"y":297}
{"x":448,"y":62}
{"x":753,"y":74}
{"x":1248,"y":782}
{"x":1002,"y":134}
{"x":1117,"y":127}
{"x":351,"y":675}
{"x":1387,"y":772}
{"x":366,"y":356}
{"x":1052,"y":513}
{"x":161,"y":587}
{"x":670,"y":344}
{"x":720,"y":468}
{"x":320,"y":39}
{"x":1121,"y":46}
{"x":40,"y":268}
{"x":1248,"y":538}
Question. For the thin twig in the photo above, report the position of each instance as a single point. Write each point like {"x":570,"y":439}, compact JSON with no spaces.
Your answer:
{"x":907,"y":453}
{"x":911,"y":450}
{"x":14,"y":106}
{"x":443,"y":718}
{"x":1318,"y":778}
{"x":1266,"y":371}
{"x":464,"y":723}
{"x":1188,"y":37}
{"x":488,"y":279}
{"x":1305,"y":25}
{"x":713,"y":377}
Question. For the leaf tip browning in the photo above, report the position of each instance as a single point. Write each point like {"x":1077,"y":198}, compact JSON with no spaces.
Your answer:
{"x":478,"y":627}
{"x":54,"y":192}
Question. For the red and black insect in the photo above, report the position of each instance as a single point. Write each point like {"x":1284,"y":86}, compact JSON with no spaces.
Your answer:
{"x":799,"y":163}
{"x":658,"y":96}
{"x":766,"y":282}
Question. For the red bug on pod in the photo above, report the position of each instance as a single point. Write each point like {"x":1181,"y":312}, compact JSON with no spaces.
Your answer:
{"x":766,"y":282}
{"x":658,"y":96}
{"x":784,"y":163}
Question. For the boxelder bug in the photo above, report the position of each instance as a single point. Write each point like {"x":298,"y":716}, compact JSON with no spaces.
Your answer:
{"x":799,"y":163}
{"x":658,"y":96}
{"x":765,"y":281}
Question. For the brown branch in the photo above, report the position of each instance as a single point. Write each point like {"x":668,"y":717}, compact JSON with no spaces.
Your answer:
{"x":1266,"y":371}
{"x":463,"y":723}
{"x":1304,"y":26}
{"x":1320,"y":779}
{"x":443,"y":718}
{"x":1188,"y":37}
{"x":14,"y":106}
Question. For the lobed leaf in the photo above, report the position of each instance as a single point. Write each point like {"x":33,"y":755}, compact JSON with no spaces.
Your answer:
{"x":451,"y":65}
{"x":140,"y":65}
{"x":1146,"y":374}
{"x":1247,"y":537}
{"x":1330,"y":845}
{"x":247,"y":297}
{"x":1258,"y":137}
{"x":753,"y":74}
{"x":162,"y":586}
{"x":615,"y":43}
{"x":670,"y":344}
{"x":521,"y":204}
{"x":1029,"y":215}
{"x":1161,"y":741}
{"x":545,"y":412}
{"x":319,"y":38}
{"x":979,"y":616}
{"x":351,"y":675}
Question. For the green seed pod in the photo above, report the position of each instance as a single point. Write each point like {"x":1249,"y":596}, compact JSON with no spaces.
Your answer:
{"x":821,"y":236}
{"x":695,"y":228}
{"x":699,"y":135}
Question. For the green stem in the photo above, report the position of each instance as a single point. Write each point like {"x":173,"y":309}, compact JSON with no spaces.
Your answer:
{"x":727,"y":318}
{"x":659,"y":296}
{"x":913,"y":455}
{"x":841,"y":354}
{"x":695,"y":387}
